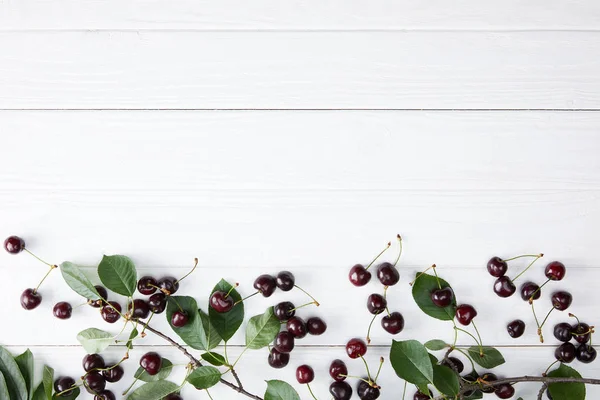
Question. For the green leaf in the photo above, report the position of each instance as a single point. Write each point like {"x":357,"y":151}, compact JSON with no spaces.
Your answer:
{"x":94,"y":340}
{"x":491,"y":357}
{"x":165,"y":370}
{"x":118,"y":274}
{"x":262,"y":329}
{"x":74,"y":394}
{"x":421,"y":292}
{"x":204,"y":377}
{"x":411,"y":362}
{"x":435,"y":344}
{"x":12,"y":375}
{"x":193,"y":333}
{"x":566,"y":391}
{"x":214,"y":358}
{"x":25,"y":363}
{"x":77,"y":281}
{"x":280,"y":390}
{"x":39,"y":393}
{"x":227,"y":324}
{"x":153,"y":390}
{"x":48,"y":380}
{"x":3,"y":388}
{"x":445,"y":380}
{"x":213,"y":339}
{"x":134,"y":333}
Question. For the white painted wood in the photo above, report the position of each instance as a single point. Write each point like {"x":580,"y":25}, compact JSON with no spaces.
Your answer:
{"x":279,"y":70}
{"x":274,"y":15}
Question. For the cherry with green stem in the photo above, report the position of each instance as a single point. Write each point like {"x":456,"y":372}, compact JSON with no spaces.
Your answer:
{"x":388,"y":273}
{"x":505,"y":287}
{"x":421,"y":274}
{"x":359,"y":275}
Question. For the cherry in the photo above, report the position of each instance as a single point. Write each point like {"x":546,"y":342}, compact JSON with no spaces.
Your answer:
{"x":586,"y":353}
{"x":565,"y":352}
{"x":157,"y":303}
{"x":497,"y":267}
{"x":305,"y":374}
{"x":168,"y":285}
{"x":221,"y":302}
{"x":562,"y":332}
{"x":173,"y":396}
{"x":105,"y":395}
{"x":103,"y":294}
{"x":30,"y":299}
{"x":94,"y":382}
{"x":442,"y":297}
{"x":453,"y":361}
{"x":393,"y":323}
{"x":284,"y":342}
{"x":316,"y":326}
{"x":114,"y":374}
{"x":516,"y":328}
{"x":356,"y":348}
{"x":422,"y":396}
{"x":92,"y":361}
{"x":64,"y":383}
{"x":581,"y":332}
{"x":297,"y":327}
{"x":284,"y":310}
{"x":529,"y":289}
{"x":388,"y":274}
{"x":265,"y":284}
{"x":110,"y":312}
{"x":62,"y":310}
{"x":338,"y":370}
{"x":376,"y":303}
{"x":147,"y":285}
{"x":141,"y":309}
{"x":340,"y":390}
{"x":285,"y":281}
{"x":179,"y":319}
{"x":366,"y":391}
{"x":488,"y":377}
{"x":555,"y":271}
{"x":561,"y":300}
{"x":14,"y":244}
{"x":151,"y":362}
{"x":277,"y":359}
{"x":465,"y":314}
{"x":359,"y":275}
{"x":504,"y":287}
{"x":505,"y":391}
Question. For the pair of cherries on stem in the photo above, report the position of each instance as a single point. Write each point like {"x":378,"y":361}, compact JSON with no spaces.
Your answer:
{"x":387,"y":273}
{"x":582,"y":333}
{"x":392,"y":322}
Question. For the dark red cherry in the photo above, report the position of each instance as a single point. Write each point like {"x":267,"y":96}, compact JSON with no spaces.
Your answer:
{"x":516,"y":328}
{"x":488,"y":377}
{"x":529,"y":289}
{"x":297,"y":327}
{"x":359,"y":275}
{"x":94,"y":382}
{"x":442,"y":297}
{"x":265,"y":284}
{"x":497,"y":267}
{"x":14,"y":244}
{"x":562,"y":332}
{"x":581,"y":332}
{"x":277,"y":359}
{"x":147,"y":285}
{"x":141,"y":309}
{"x":453,"y":362}
{"x":62,"y":310}
{"x":92,"y":361}
{"x":586,"y":353}
{"x":173,"y":396}
{"x":465,"y":314}
{"x":305,"y":374}
{"x":285,"y":281}
{"x":104,"y":296}
{"x":555,"y":271}
{"x":284,"y":342}
{"x":221,"y":302}
{"x":340,"y":390}
{"x":393,"y":323}
{"x":151,"y":362}
{"x":110,"y":312}
{"x":168,"y":285}
{"x":284,"y":310}
{"x":316,"y":326}
{"x":504,"y":287}
{"x":505,"y":391}
{"x":388,"y":274}
{"x":356,"y":348}
{"x":114,"y":374}
{"x":565,"y":352}
{"x":157,"y":302}
{"x":421,"y":396}
{"x":179,"y":319}
{"x":64,"y":383}
{"x":561,"y":300}
{"x":105,"y":395}
{"x":376,"y":303}
{"x":366,"y":391}
{"x":338,"y":370}
{"x":30,"y":299}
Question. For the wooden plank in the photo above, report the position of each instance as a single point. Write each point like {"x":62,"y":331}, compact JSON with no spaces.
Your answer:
{"x":273,"y":15}
{"x":283,"y":70}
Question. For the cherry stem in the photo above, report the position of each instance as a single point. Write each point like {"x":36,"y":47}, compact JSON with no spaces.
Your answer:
{"x":381,"y":360}
{"x":208,"y":393}
{"x":537,"y":322}
{"x":468,"y":333}
{"x":574,"y":316}
{"x":37,"y":258}
{"x":246,"y":298}
{"x":367,"y":367}
{"x":550,"y":366}
{"x":176,"y":302}
{"x":149,"y":319}
{"x":379,"y":255}
{"x":189,"y":273}
{"x":455,"y":335}
{"x":44,"y":278}
{"x":421,"y":273}
{"x":521,"y":256}
{"x":66,"y":390}
{"x":308,"y":294}
{"x":369,"y":330}
{"x":537,"y":290}
{"x":437,"y":278}
{"x":404,"y":391}
{"x":231,"y":289}
{"x":399,"y":251}
{"x":547,"y":315}
{"x":529,"y":266}
{"x":479,"y":336}
{"x":311,"y":392}
{"x":303,"y":305}
{"x":132,"y":384}
{"x":385,"y":288}
{"x":355,"y":377}
{"x":468,"y":357}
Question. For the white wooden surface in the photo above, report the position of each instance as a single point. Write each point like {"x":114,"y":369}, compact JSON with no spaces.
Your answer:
{"x":301,"y":136}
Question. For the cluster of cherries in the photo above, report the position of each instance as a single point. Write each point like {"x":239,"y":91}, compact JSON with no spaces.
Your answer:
{"x":582,"y":333}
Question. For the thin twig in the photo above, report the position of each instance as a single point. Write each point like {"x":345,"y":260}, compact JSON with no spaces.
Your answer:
{"x":541,"y":392}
